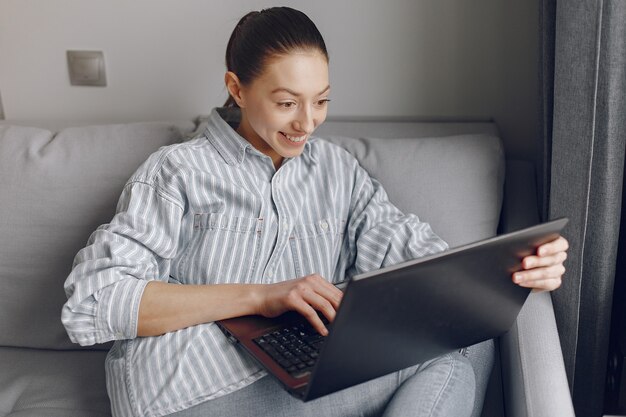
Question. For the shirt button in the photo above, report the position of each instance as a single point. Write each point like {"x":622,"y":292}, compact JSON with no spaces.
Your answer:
{"x":286,"y":225}
{"x":119,"y":336}
{"x":324,"y":225}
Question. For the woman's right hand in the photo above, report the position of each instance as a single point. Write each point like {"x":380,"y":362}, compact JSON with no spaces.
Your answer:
{"x":306,"y":295}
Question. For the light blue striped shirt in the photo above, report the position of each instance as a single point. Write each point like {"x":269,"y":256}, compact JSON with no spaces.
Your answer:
{"x":214,"y":210}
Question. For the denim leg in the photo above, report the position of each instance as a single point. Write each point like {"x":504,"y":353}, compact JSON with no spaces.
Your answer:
{"x":441,"y":387}
{"x":267,"y":398}
{"x":482,"y":357}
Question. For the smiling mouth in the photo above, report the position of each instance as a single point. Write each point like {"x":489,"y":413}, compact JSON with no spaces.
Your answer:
{"x":294,"y":139}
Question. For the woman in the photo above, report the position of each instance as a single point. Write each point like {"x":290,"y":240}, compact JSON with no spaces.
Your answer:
{"x":254,"y":218}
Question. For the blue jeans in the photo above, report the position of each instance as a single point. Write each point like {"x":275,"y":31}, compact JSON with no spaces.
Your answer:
{"x":443,"y":386}
{"x":482,"y":358}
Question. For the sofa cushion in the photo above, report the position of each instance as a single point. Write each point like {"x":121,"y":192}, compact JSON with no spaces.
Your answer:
{"x":56,"y":190}
{"x":392,"y":128}
{"x":455,"y":183}
{"x":37,"y":383}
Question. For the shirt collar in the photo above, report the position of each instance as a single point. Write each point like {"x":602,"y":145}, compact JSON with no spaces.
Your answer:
{"x":220,"y":131}
{"x":222,"y":135}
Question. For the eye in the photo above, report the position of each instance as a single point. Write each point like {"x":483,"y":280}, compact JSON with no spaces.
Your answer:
{"x":287,"y":104}
{"x":323,"y":102}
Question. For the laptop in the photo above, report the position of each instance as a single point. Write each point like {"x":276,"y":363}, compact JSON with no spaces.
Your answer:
{"x":398,"y":316}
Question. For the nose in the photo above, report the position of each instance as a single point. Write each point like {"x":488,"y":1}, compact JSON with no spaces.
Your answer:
{"x":305,"y":121}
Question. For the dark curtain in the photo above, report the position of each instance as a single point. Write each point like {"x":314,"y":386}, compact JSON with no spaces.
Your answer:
{"x":583,"y":71}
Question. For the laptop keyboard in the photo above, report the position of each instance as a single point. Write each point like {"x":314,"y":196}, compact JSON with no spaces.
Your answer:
{"x":295,"y":348}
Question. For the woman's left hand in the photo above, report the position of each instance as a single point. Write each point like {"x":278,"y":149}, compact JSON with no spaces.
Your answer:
{"x":543,"y":271}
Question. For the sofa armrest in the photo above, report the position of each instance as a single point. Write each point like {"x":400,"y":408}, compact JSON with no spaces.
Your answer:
{"x":519,"y":204}
{"x":533,"y":372}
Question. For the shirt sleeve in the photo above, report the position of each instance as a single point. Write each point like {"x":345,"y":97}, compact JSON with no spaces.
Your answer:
{"x":109,"y":275}
{"x":380,"y":234}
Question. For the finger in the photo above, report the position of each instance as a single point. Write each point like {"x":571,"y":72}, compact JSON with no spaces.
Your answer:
{"x":558,"y":245}
{"x":327,"y":290}
{"x":333,"y":294}
{"x":555,"y":271}
{"x":300,"y":298}
{"x":310,"y":314}
{"x":321,"y":304}
{"x":538,"y":261}
{"x":543,"y":285}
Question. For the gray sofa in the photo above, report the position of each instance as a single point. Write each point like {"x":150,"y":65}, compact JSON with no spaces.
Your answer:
{"x":58,"y":184}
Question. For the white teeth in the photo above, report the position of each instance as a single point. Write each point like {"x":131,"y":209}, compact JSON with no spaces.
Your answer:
{"x":295,"y":138}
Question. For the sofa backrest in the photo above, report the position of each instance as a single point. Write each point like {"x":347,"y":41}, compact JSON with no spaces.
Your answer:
{"x":57,"y":188}
{"x":454,"y":183}
{"x":449,"y":174}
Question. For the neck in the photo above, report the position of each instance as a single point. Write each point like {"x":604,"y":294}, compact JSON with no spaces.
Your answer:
{"x":247,"y":132}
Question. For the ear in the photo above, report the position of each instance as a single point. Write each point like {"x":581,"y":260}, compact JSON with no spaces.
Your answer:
{"x":234,"y":88}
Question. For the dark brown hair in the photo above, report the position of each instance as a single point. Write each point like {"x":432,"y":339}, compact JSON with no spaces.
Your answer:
{"x":261,"y":35}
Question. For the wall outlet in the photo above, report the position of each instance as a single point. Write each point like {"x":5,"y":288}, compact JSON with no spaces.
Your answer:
{"x":87,"y":68}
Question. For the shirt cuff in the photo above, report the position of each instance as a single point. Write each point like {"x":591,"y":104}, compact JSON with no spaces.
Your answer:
{"x":117,"y":310}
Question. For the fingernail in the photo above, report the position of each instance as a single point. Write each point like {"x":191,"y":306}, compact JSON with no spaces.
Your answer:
{"x":518,"y":277}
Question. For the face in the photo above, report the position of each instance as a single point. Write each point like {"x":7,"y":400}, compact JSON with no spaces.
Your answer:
{"x":283,"y":106}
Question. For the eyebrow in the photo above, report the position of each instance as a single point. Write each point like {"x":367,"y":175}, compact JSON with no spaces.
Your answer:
{"x":293,"y":93}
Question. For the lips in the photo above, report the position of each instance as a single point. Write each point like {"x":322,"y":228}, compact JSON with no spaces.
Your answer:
{"x":294,"y":138}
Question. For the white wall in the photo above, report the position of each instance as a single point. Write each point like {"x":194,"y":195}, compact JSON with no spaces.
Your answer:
{"x":165,"y":58}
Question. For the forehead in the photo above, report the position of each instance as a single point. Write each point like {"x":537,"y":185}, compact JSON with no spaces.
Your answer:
{"x":305,"y":72}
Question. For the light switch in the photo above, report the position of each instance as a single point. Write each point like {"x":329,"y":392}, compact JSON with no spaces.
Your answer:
{"x":86,"y":68}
